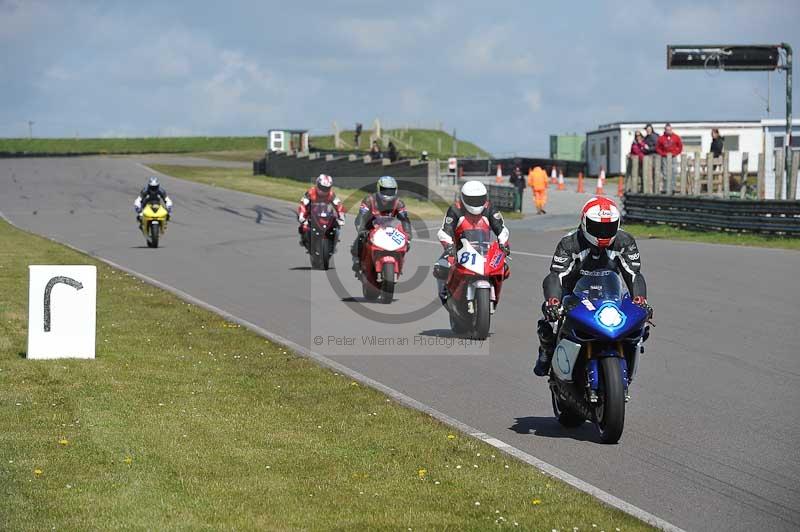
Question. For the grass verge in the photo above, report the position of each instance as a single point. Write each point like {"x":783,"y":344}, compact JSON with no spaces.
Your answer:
{"x":187,"y":421}
{"x":243,"y":180}
{"x":712,"y":237}
{"x":132,"y":145}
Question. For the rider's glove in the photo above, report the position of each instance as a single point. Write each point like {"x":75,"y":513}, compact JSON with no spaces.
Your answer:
{"x":505,"y":249}
{"x":641,"y":301}
{"x":552,"y":309}
{"x":341,"y":222}
{"x":301,"y":219}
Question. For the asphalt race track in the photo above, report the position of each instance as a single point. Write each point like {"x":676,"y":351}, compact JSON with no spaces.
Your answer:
{"x":712,"y":438}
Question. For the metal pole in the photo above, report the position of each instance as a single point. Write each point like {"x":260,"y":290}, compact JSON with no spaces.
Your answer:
{"x":787,"y":144}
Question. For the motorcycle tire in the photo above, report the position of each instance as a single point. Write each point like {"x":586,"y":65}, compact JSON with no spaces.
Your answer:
{"x":483,"y":314}
{"x":610,"y":413}
{"x":566,"y":417}
{"x":325,"y":253}
{"x":314,"y":249}
{"x":387,"y":285}
{"x":154,"y":234}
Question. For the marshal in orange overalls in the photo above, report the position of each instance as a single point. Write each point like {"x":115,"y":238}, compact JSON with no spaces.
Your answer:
{"x":537,"y":180}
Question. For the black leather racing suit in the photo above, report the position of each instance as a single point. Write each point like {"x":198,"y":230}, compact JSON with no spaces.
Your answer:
{"x":148,"y":195}
{"x":575,"y":254}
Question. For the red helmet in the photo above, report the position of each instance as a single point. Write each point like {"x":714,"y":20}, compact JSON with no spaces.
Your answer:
{"x":324,"y":183}
{"x":600,"y":221}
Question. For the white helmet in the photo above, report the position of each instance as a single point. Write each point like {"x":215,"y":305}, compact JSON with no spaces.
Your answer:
{"x":474,"y":197}
{"x":324,"y":183}
{"x":600,"y":221}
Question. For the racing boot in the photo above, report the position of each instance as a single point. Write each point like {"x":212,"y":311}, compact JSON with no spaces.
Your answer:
{"x":547,"y":344}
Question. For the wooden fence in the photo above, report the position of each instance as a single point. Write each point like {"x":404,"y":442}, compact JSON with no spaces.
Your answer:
{"x":705,"y":175}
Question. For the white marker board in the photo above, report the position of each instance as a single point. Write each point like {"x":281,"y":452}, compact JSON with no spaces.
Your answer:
{"x":62,"y":302}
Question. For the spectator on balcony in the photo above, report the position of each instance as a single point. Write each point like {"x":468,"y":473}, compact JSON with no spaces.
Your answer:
{"x":650,"y":139}
{"x":717,"y":143}
{"x":392,"y":151}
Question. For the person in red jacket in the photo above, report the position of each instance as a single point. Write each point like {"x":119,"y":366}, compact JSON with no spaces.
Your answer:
{"x":669,"y":143}
{"x":321,"y":192}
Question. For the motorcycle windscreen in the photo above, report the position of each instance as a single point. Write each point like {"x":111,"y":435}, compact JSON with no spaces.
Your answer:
{"x":599,"y":285}
{"x":321,"y":210}
{"x":480,"y":239}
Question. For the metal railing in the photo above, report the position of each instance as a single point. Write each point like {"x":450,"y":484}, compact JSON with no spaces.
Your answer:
{"x":756,"y":216}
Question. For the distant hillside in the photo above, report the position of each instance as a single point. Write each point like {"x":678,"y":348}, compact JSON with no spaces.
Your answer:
{"x":410,"y":143}
{"x":132,"y":145}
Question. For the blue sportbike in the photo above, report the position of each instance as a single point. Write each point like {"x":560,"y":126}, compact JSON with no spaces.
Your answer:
{"x":598,"y":341}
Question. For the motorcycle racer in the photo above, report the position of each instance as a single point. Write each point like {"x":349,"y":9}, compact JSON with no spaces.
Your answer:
{"x":321,"y":192}
{"x":152,"y":192}
{"x":597,"y":243}
{"x":471,"y":211}
{"x":383,"y":202}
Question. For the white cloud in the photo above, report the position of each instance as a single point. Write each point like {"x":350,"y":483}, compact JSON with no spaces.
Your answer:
{"x":491,"y":51}
{"x":533,"y":99}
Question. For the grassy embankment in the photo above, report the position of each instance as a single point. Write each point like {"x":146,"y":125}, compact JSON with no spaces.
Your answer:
{"x":410,"y":143}
{"x":241,"y":179}
{"x":643,"y":231}
{"x":186,"y":421}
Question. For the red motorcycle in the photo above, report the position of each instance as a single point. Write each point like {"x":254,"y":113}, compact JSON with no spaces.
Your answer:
{"x":382,"y":258}
{"x":321,"y":234}
{"x":474,"y":283}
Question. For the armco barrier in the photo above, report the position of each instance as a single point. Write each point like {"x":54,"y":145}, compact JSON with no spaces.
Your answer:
{"x":756,"y":216}
{"x":502,"y":197}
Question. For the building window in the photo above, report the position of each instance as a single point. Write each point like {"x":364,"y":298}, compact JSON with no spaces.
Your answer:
{"x":594,"y":150}
{"x":692,"y":141}
{"x":795,"y":141}
{"x":602,"y":148}
{"x":730,"y":142}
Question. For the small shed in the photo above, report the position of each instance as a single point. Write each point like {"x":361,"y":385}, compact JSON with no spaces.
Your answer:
{"x":287,"y":140}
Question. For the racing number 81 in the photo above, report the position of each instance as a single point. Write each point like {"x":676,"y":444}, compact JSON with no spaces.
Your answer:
{"x":465,"y":258}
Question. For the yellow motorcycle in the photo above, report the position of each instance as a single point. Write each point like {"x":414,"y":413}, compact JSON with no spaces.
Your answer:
{"x":153,"y":223}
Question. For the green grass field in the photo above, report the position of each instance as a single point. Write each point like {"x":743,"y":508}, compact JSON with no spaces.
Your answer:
{"x":186,"y":421}
{"x":133,"y":145}
{"x":642,"y":231}
{"x":241,"y":179}
{"x":410,"y":143}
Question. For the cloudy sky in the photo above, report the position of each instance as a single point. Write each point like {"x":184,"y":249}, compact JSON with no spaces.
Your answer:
{"x":503,"y":74}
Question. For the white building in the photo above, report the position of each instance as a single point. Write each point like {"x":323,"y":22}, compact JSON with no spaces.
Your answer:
{"x":609,"y":144}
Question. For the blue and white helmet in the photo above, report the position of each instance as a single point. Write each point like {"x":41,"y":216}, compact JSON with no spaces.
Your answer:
{"x":153,"y":183}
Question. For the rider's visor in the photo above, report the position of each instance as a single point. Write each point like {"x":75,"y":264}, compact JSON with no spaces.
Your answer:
{"x":602,"y":229}
{"x":389,"y":192}
{"x":323,"y":189}
{"x":475,"y":201}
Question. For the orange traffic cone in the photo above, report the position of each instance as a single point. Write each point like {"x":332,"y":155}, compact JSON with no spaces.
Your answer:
{"x":580,"y":182}
{"x":561,"y":180}
{"x":621,"y":186}
{"x":499,"y":177}
{"x":601,"y":181}
{"x":553,"y":176}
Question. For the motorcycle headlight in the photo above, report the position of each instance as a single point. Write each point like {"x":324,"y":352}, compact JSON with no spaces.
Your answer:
{"x":609,"y":316}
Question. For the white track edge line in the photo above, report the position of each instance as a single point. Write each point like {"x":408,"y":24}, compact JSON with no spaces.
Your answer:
{"x":553,"y":471}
